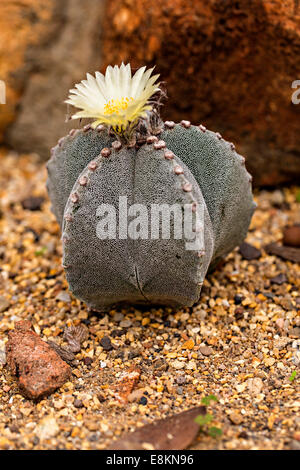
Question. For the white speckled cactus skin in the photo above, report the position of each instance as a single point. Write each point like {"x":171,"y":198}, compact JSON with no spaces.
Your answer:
{"x":184,"y":164}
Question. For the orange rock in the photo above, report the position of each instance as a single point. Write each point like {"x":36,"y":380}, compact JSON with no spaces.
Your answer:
{"x":291,"y":236}
{"x":212,"y":55}
{"x":37,"y":366}
{"x":126,"y":384}
{"x":22,"y":24}
{"x":189,"y":344}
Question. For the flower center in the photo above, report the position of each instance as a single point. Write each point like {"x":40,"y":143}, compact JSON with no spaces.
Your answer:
{"x":115,"y":106}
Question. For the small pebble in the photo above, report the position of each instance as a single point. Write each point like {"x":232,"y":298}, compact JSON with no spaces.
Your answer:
{"x":291,"y":236}
{"x":249,"y":252}
{"x":63,"y":296}
{"x":78,"y":403}
{"x":105,"y":342}
{"x":4,"y":304}
{"x":143,"y":400}
{"x":33,"y":203}
{"x":205,"y":350}
{"x":125,"y":323}
{"x":280,"y":279}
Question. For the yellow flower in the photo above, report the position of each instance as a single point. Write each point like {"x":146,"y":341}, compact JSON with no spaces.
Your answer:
{"x":116,"y":99}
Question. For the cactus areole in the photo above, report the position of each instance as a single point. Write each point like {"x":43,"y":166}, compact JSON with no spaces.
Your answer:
{"x":146,"y":207}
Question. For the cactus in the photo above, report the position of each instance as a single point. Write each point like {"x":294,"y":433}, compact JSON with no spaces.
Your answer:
{"x":181,"y":164}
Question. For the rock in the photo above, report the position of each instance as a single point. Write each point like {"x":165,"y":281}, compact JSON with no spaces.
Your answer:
{"x":219,"y":36}
{"x":4,"y":304}
{"x":294,"y":332}
{"x":37,"y":366}
{"x":5,"y":444}
{"x":207,"y":32}
{"x":32,"y":203}
{"x":30,"y":18}
{"x":277,"y":198}
{"x":35,"y":68}
{"x":125,"y":323}
{"x":280,"y":279}
{"x":143,"y":400}
{"x":87,"y":361}
{"x":296,"y":436}
{"x":175,"y":432}
{"x":235,"y":417}
{"x":291,"y":236}
{"x":178,"y":364}
{"x":205,"y":350}
{"x":254,"y":385}
{"x":280,"y":323}
{"x":63,"y":296}
{"x":2,"y":353}
{"x":249,"y":252}
{"x":239,"y":313}
{"x":189,"y":344}
{"x":135,"y":396}
{"x":295,"y":445}
{"x":105,"y":342}
{"x":78,"y":403}
{"x":47,"y":428}
{"x":126,"y":383}
{"x":238,"y":299}
{"x":180,"y":379}
{"x":269,"y":361}
{"x":118,"y":317}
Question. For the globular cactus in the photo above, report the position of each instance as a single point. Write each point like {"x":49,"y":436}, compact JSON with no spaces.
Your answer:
{"x":181,"y":165}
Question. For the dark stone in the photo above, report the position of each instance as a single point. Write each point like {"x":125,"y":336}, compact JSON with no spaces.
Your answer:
{"x":249,"y":252}
{"x":143,"y":401}
{"x":105,"y":342}
{"x":238,"y":299}
{"x":280,"y":279}
{"x":87,"y":361}
{"x":78,"y":403}
{"x":291,"y":236}
{"x":32,"y":203}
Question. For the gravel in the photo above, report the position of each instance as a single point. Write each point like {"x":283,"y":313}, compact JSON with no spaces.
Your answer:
{"x":249,"y":369}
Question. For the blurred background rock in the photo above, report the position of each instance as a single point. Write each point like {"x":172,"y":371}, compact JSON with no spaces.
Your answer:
{"x":228,"y":64}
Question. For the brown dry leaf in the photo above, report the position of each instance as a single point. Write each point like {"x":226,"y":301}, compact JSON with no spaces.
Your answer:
{"x":64,"y":353}
{"x":173,"y":433}
{"x":126,"y":384}
{"x":284,"y":252}
{"x":75,"y":335}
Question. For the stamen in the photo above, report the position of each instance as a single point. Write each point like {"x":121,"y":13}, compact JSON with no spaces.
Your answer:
{"x":115,"y":106}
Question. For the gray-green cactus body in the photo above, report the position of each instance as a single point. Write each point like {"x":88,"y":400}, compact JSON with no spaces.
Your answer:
{"x":188,"y":166}
{"x":69,"y":158}
{"x":224,"y":181}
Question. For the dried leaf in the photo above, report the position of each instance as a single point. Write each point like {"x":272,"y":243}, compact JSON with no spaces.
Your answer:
{"x":64,"y":353}
{"x":173,"y":433}
{"x":75,"y":335}
{"x":284,"y":252}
